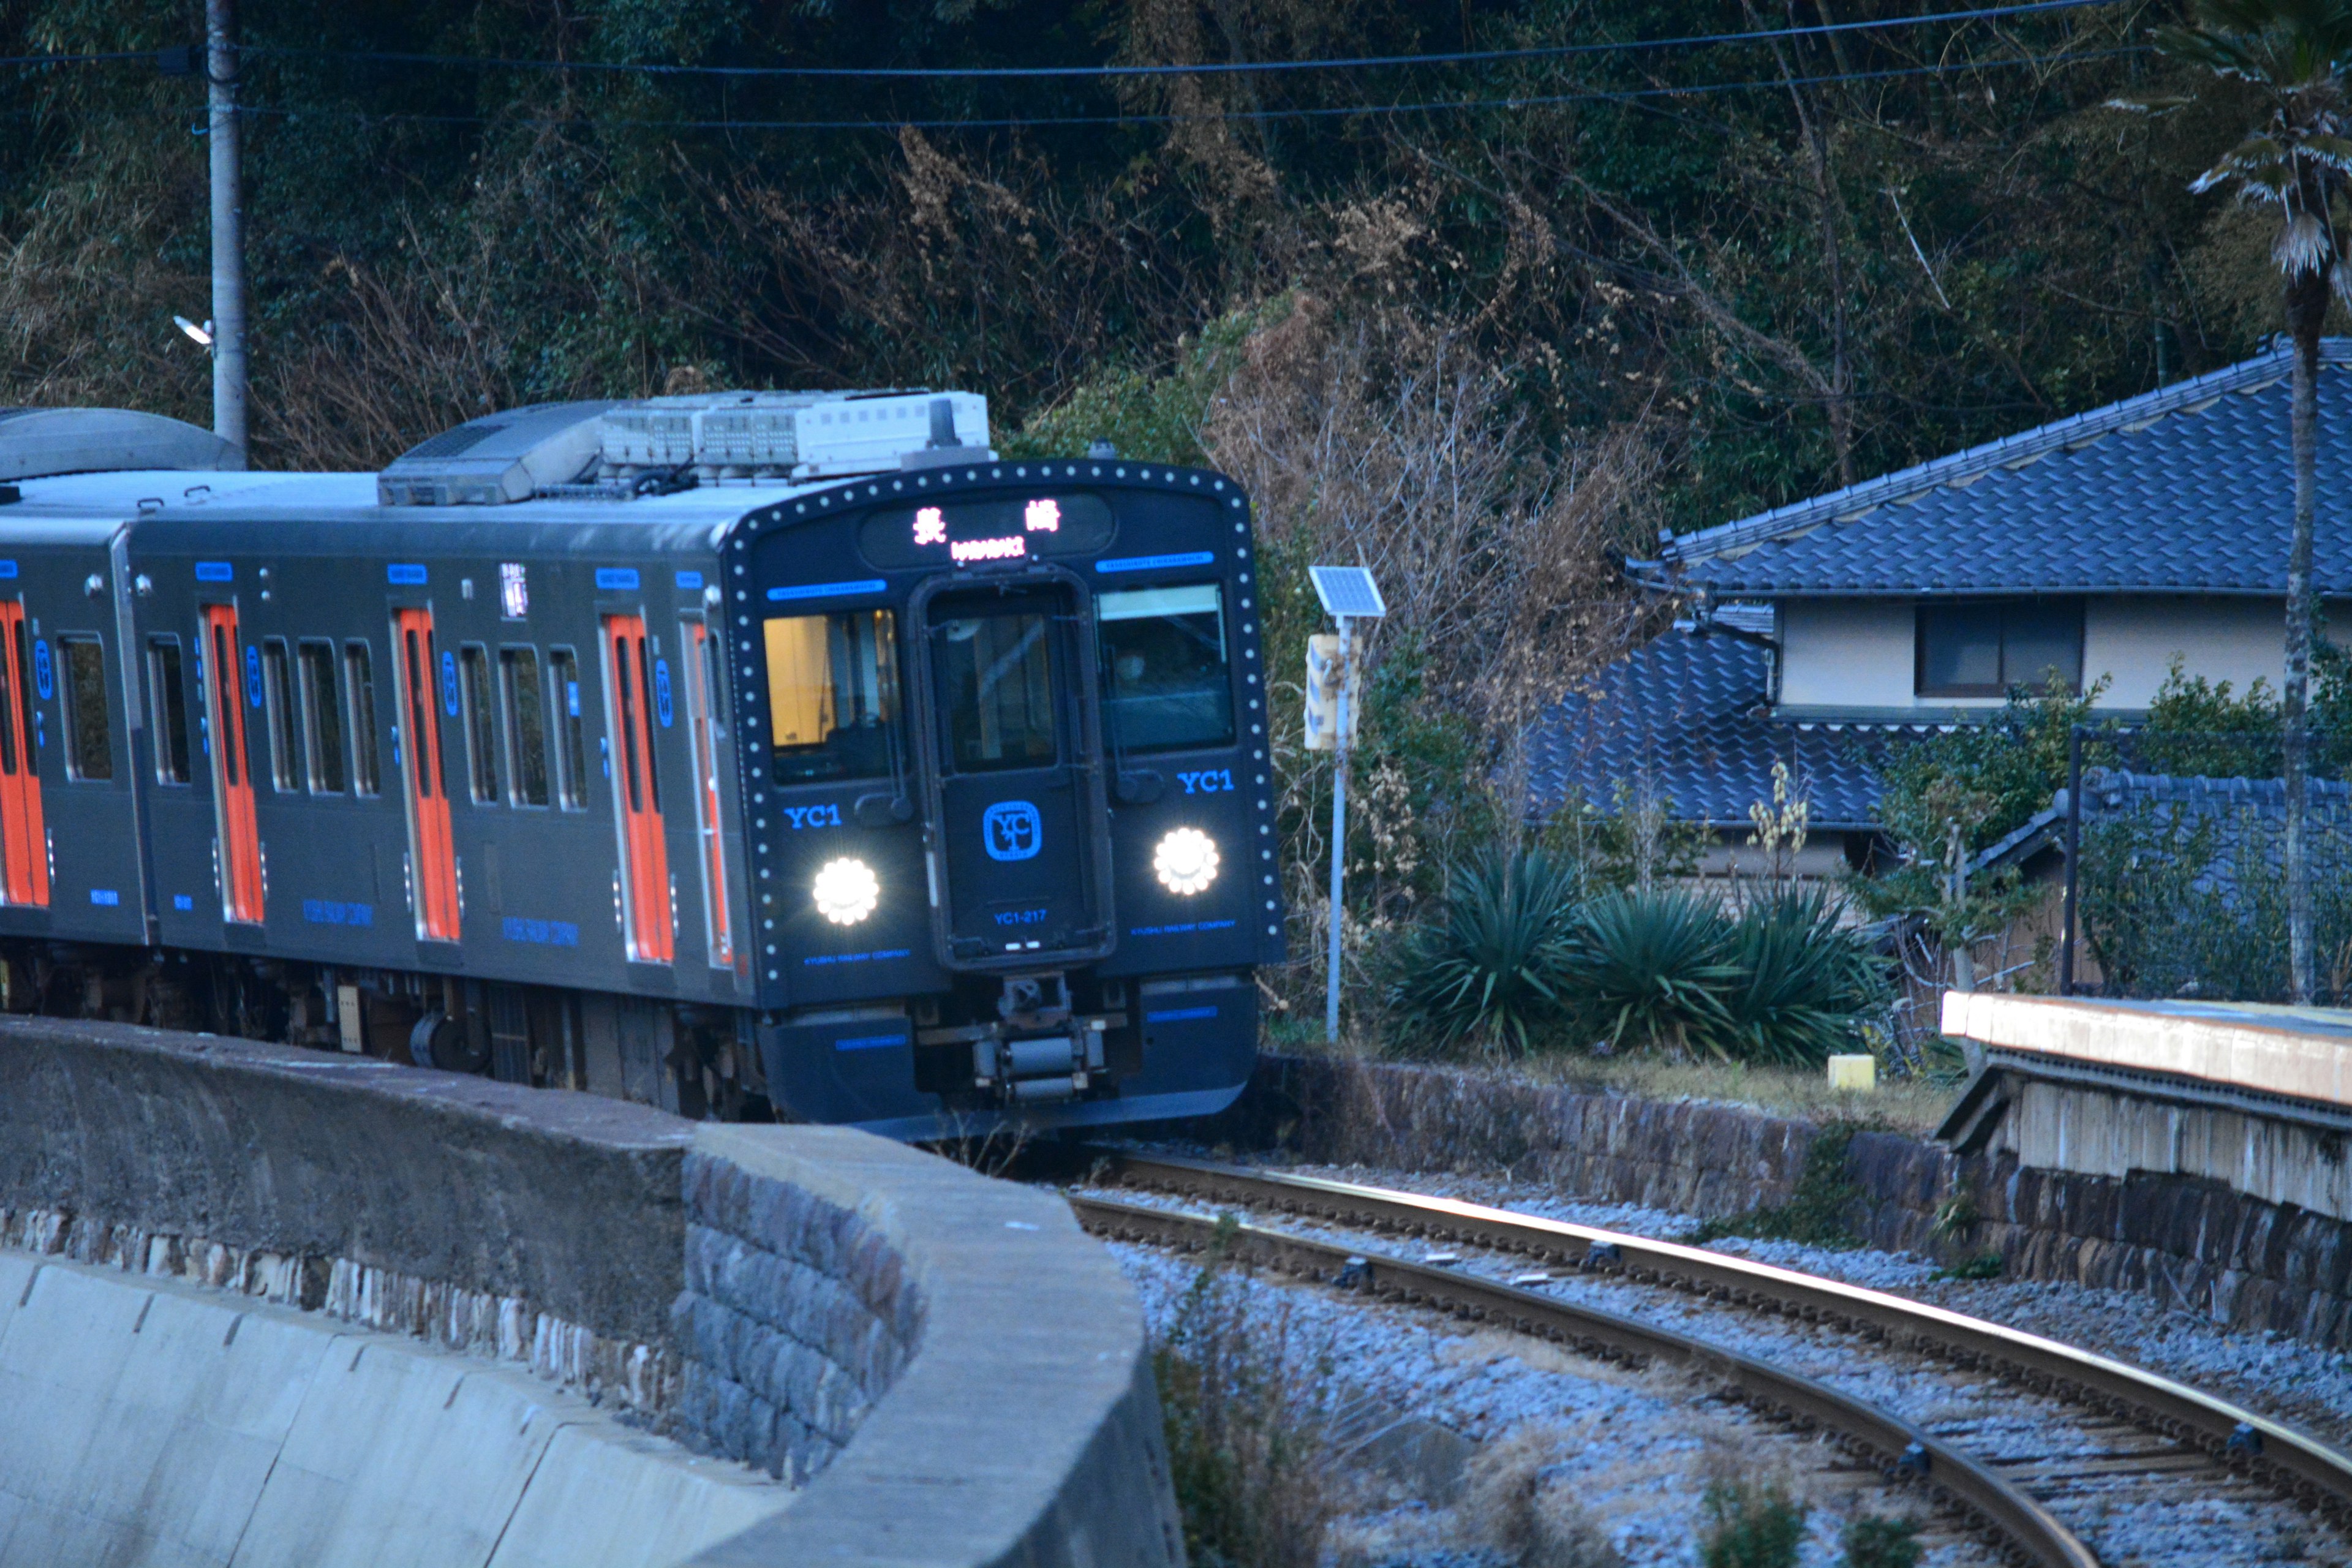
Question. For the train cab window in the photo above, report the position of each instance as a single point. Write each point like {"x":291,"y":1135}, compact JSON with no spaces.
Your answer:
{"x":359,"y":682}
{"x":571,"y":733}
{"x":90,"y":735}
{"x":167,"y":697}
{"x":519,"y":685}
{"x":1165,"y":681}
{"x":322,"y":717}
{"x":997,"y":685}
{"x":833,"y":685}
{"x":278,"y":702}
{"x":481,"y":722}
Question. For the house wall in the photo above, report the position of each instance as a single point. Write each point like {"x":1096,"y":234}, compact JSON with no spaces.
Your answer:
{"x":1846,"y":652}
{"x":1857,"y":653}
{"x":2133,"y":642}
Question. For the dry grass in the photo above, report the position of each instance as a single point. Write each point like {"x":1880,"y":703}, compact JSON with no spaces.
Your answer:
{"x":1248,"y":1407}
{"x":1907,"y":1105}
{"x":1521,"y":1506}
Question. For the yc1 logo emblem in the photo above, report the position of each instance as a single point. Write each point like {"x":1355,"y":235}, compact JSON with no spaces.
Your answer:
{"x":1010,"y":830}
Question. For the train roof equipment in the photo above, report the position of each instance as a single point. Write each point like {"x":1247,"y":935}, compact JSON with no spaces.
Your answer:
{"x":620,"y":451}
{"x":36,"y":443}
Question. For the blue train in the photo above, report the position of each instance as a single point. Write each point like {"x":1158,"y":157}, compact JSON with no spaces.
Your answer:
{"x":744,"y":754}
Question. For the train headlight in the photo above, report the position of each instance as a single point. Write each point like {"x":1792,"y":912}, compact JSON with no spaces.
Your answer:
{"x":1185,"y":861}
{"x":845,"y":892}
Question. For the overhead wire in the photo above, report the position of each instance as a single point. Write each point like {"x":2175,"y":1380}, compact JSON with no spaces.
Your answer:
{"x":968,"y":73}
{"x":1221,"y":67}
{"x":1536,"y":101}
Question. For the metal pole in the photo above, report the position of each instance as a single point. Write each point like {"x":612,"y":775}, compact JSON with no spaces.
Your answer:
{"x":228,"y":230}
{"x":1339,"y":837}
{"x":1964,"y":965}
{"x":2074,"y":844}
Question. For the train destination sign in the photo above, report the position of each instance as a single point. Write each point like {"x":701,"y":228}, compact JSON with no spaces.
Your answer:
{"x":964,"y":533}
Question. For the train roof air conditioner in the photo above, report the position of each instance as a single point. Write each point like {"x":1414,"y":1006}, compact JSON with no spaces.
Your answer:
{"x":612,"y":451}
{"x":38,"y":442}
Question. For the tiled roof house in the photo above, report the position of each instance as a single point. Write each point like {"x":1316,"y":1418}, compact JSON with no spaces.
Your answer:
{"x":2102,"y":546}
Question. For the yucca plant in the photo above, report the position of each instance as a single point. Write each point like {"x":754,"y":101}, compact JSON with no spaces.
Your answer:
{"x":1803,"y":981}
{"x":1490,"y":967}
{"x":1652,"y":965}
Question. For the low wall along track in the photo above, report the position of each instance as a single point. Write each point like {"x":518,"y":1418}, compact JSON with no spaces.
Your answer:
{"x":2134,"y":1425}
{"x":260,"y":1305}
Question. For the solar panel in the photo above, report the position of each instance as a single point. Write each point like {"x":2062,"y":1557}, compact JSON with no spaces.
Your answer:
{"x":1347,"y":591}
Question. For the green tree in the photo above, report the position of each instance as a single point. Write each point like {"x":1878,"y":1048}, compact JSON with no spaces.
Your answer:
{"x":2292,"y":55}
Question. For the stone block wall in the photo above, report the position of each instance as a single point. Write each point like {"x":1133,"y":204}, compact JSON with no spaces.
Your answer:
{"x":2189,"y":1241}
{"x":796,"y":1317}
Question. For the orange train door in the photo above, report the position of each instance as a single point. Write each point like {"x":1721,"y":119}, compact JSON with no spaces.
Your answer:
{"x":701,"y":697}
{"x":23,"y":836}
{"x":240,"y":843}
{"x":636,"y":790}
{"x":434,"y":855}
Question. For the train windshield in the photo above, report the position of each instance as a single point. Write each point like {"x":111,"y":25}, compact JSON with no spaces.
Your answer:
{"x":833,"y":688}
{"x":996,"y":687}
{"x":1165,"y":685}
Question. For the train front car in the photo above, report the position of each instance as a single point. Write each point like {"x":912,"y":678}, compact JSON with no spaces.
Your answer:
{"x":1004,"y":734}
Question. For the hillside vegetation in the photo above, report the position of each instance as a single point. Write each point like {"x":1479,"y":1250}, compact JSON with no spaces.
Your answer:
{"x":1489,"y":350}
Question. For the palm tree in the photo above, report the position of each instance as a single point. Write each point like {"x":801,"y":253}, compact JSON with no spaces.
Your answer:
{"x":2293,"y":55}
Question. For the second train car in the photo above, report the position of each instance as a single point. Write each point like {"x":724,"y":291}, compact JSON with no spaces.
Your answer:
{"x":743,"y":755}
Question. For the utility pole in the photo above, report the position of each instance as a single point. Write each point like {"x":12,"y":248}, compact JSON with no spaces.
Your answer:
{"x":228,"y":230}
{"x":1339,"y":841}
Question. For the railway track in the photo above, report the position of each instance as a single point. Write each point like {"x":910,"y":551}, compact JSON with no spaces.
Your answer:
{"x":2127,"y":1425}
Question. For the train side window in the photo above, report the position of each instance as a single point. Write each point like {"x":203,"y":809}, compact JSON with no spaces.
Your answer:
{"x":278,"y":702}
{"x":89,"y":733}
{"x":520,"y":686}
{"x":832,"y":689}
{"x":1165,"y":681}
{"x":322,"y":717}
{"x":167,"y":700}
{"x":359,"y":681}
{"x":572,"y":741}
{"x":714,"y":674}
{"x":481,"y":722}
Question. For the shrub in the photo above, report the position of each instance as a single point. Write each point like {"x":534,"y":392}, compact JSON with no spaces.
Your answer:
{"x":1751,"y":1525}
{"x":1652,"y":963}
{"x":1873,"y":1542}
{"x":1803,"y":981}
{"x":1492,"y":966}
{"x":1816,"y":1211}
{"x":1247,"y":1421}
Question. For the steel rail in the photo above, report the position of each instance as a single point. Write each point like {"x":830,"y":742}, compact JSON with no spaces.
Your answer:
{"x":2307,"y":1471}
{"x":1990,"y":1504}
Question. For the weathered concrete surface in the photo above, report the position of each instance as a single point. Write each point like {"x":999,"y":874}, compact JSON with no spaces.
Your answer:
{"x":427,"y":1175}
{"x":162,"y":1424}
{"x":956,"y":1375}
{"x":2303,"y":1052}
{"x":2189,"y":1241}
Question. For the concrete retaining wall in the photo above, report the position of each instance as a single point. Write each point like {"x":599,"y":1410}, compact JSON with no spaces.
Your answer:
{"x":945,"y":1366}
{"x":2189,"y":1241}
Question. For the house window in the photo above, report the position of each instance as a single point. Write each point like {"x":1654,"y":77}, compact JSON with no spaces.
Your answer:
{"x":1982,"y":648}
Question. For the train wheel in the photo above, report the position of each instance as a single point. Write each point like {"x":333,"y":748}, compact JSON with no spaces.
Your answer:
{"x":438,"y":1040}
